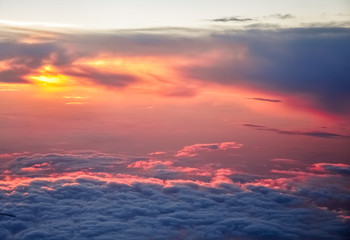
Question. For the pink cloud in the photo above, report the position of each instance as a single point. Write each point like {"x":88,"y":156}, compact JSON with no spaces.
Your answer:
{"x":156,"y":153}
{"x":12,"y":155}
{"x":37,"y":167}
{"x":149,"y":164}
{"x":192,"y":150}
{"x":293,"y":172}
{"x":336,"y":168}
{"x":10,"y":182}
{"x":222,"y":176}
{"x":278,"y":183}
{"x":166,"y":165}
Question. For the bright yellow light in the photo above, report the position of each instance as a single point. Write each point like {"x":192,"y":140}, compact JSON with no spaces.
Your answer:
{"x":48,"y":68}
{"x":49,"y":76}
{"x":49,"y":79}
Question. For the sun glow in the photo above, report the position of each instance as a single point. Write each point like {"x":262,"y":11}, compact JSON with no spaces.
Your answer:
{"x":49,"y":79}
{"x":49,"y":76}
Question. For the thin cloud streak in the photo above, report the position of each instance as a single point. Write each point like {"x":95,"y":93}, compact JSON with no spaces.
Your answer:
{"x":318,"y":134}
{"x":281,"y":16}
{"x":231,"y":19}
{"x":266,"y":100}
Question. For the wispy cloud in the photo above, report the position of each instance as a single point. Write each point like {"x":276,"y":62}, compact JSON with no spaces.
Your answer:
{"x":281,"y":16}
{"x":319,"y":134}
{"x":231,"y":19}
{"x":266,"y":100}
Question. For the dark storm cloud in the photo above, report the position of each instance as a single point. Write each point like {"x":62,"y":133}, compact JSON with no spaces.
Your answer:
{"x":266,"y":100}
{"x":231,"y":19}
{"x":298,"y":133}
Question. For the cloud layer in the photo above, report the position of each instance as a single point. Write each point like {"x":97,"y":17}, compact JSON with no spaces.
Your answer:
{"x":100,"y":196}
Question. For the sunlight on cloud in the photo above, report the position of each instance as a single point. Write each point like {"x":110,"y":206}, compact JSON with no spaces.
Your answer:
{"x":49,"y":78}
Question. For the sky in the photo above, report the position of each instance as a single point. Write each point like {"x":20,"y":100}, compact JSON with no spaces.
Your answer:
{"x":174,"y":119}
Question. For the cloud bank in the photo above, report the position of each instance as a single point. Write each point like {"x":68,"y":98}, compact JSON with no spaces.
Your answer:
{"x":100,"y":196}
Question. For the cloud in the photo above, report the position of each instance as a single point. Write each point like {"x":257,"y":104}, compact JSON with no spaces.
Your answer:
{"x":318,"y":134}
{"x":266,"y":100}
{"x":149,"y":164}
{"x":156,"y":153}
{"x":5,"y":156}
{"x":330,"y":24}
{"x":337,"y":168}
{"x":324,"y":184}
{"x":281,"y":16}
{"x":260,"y":26}
{"x":80,"y":200}
{"x":13,"y":76}
{"x":193,"y":150}
{"x":231,"y":19}
{"x":308,"y":62}
{"x":141,"y":211}
{"x":58,"y":163}
{"x":102,"y":77}
{"x":25,"y":58}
